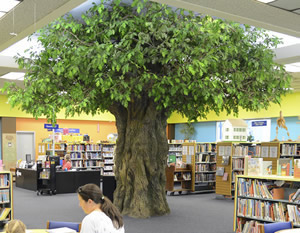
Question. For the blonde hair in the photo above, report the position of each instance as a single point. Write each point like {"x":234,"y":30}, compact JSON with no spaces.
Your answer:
{"x":15,"y":226}
{"x":67,"y":157}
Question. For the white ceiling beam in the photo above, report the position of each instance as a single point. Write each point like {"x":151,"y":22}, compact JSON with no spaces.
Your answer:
{"x":246,"y":11}
{"x":31,"y":15}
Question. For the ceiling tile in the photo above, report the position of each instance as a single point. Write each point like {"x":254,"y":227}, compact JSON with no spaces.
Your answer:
{"x":286,"y":4}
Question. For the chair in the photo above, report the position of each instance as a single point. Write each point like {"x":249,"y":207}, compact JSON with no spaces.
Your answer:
{"x":72,"y":225}
{"x":277,"y":226}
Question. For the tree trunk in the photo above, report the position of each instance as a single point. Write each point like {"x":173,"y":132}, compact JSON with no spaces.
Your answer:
{"x":140,"y":160}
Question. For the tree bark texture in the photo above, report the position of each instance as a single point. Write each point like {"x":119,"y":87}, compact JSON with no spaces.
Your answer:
{"x":140,"y":160}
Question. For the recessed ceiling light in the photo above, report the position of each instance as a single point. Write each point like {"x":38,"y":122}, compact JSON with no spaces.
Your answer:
{"x":14,"y":76}
{"x":265,"y":1}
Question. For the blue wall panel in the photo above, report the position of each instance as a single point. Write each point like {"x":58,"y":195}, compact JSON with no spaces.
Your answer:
{"x":291,"y":124}
{"x":204,"y":131}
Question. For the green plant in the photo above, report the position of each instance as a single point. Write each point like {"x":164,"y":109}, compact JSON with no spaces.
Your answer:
{"x":188,"y":130}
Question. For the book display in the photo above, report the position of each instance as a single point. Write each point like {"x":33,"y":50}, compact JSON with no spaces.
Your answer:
{"x":265,"y":199}
{"x":6,"y":201}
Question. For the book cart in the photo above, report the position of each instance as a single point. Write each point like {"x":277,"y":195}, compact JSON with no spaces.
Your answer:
{"x":46,"y":177}
{"x":182,"y":179}
{"x":6,"y":200}
{"x":254,"y":204}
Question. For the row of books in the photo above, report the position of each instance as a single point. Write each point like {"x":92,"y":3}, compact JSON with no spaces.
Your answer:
{"x":93,"y":147}
{"x":77,"y":163}
{"x":237,"y":163}
{"x":182,"y":176}
{"x":252,"y":226}
{"x":205,"y":158}
{"x":289,"y":149}
{"x":242,"y":150}
{"x":175,"y":147}
{"x":205,"y":147}
{"x":262,"y":210}
{"x":76,"y":147}
{"x":4,"y":196}
{"x":270,"y":211}
{"x":202,"y":177}
{"x":205,"y":167}
{"x":93,"y":163}
{"x":254,"y":188}
{"x":4,"y":181}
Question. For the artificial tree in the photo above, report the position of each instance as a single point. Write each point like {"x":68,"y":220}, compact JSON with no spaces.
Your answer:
{"x":142,"y":62}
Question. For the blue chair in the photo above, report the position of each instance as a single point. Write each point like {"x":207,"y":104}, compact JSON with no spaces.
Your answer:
{"x":72,"y":225}
{"x":277,"y":226}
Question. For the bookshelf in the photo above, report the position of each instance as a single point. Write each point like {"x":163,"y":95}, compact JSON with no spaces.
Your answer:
{"x":205,"y":166}
{"x":234,"y":153}
{"x":188,"y":157}
{"x":93,"y":156}
{"x":108,"y":158}
{"x":175,"y":151}
{"x":264,"y":199}
{"x":223,"y":187}
{"x":179,"y":179}
{"x":77,"y":152}
{"x":6,"y":200}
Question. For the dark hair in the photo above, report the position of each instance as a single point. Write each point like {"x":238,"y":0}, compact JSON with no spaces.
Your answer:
{"x":93,"y":192}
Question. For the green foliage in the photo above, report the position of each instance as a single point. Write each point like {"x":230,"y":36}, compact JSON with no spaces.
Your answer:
{"x":187,"y":130}
{"x":119,"y":53}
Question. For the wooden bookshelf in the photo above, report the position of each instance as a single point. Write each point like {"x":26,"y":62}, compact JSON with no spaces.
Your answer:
{"x":188,"y":157}
{"x":179,"y":179}
{"x":244,"y":195}
{"x":224,"y":187}
{"x":6,"y":197}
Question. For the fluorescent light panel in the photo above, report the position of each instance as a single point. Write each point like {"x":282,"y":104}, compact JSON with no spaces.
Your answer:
{"x":7,"y":5}
{"x":265,"y":1}
{"x":293,"y":67}
{"x":14,"y":76}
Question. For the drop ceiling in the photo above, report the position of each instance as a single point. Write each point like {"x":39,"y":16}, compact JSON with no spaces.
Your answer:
{"x":280,"y":16}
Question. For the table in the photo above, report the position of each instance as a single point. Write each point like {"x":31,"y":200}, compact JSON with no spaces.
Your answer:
{"x":294,"y":230}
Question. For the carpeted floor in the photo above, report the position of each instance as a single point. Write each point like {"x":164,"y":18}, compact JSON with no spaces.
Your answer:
{"x":193,"y":213}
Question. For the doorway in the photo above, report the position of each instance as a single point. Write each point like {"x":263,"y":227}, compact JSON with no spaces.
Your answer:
{"x":25,"y":144}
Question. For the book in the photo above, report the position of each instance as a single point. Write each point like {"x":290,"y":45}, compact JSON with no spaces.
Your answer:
{"x":225,"y":159}
{"x":295,"y":196}
{"x":255,"y":166}
{"x":4,"y":213}
{"x":297,"y":168}
{"x":220,"y":171}
{"x":284,"y":167}
{"x":267,"y":168}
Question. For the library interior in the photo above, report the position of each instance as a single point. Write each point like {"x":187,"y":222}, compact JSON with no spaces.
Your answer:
{"x":170,"y":157}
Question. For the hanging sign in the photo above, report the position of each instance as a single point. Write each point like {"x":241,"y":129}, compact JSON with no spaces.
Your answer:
{"x":50,"y":126}
{"x":259,"y":123}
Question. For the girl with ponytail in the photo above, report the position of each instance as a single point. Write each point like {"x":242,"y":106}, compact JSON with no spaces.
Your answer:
{"x":102,"y":215}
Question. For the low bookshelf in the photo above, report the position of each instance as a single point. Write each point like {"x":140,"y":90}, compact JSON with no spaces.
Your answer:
{"x":265,"y":199}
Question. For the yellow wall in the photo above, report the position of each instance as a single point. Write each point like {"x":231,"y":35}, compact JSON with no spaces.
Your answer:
{"x":289,"y":106}
{"x":7,"y":111}
{"x":86,"y":127}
